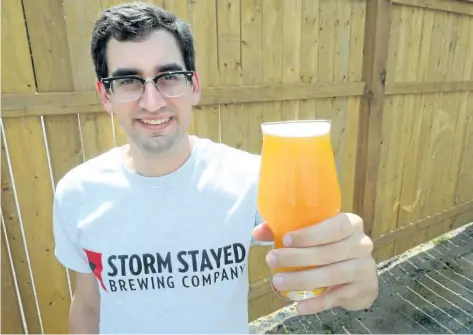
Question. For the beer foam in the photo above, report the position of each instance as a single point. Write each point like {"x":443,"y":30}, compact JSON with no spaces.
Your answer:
{"x":297,"y":128}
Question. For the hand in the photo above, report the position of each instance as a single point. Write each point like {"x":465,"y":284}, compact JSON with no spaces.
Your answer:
{"x":343,"y":256}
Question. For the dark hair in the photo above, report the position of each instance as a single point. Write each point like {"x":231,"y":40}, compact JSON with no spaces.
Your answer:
{"x":133,"y":22}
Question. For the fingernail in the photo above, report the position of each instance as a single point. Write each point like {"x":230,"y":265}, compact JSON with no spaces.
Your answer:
{"x":287,"y":240}
{"x":302,"y":309}
{"x":271,"y":259}
{"x":278,"y":281}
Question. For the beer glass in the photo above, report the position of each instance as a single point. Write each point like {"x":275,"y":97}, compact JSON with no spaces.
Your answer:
{"x":298,"y":184}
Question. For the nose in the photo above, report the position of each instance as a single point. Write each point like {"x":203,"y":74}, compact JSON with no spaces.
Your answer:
{"x":151,"y":100}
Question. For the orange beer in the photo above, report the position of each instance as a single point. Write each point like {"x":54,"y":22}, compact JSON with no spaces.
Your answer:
{"x":298,"y":184}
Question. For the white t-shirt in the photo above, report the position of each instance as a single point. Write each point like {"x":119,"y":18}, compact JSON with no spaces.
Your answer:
{"x":170,"y":253}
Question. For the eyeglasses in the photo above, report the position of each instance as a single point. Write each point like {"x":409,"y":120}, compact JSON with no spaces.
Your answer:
{"x":130,"y":88}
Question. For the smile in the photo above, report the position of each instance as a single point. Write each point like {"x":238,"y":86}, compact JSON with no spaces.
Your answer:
{"x":158,"y":121}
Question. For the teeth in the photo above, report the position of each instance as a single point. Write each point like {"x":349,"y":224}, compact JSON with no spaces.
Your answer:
{"x":160,"y":121}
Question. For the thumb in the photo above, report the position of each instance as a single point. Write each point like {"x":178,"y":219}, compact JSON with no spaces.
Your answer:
{"x":263,"y":233}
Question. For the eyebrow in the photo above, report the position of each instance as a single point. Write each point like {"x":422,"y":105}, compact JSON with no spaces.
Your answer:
{"x":124,"y":72}
{"x":170,"y":67}
{"x":133,"y":72}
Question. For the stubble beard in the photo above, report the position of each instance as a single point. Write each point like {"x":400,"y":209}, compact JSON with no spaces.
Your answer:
{"x":158,"y":145}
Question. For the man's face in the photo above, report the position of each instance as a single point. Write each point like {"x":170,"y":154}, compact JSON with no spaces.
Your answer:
{"x":154,"y":122}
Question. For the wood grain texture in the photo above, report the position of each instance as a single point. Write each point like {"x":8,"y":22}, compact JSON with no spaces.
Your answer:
{"x":16,"y":105}
{"x":53,"y":73}
{"x":452,"y":6}
{"x":11,"y":314}
{"x":17,"y":77}
{"x":203,"y":18}
{"x":377,"y":27}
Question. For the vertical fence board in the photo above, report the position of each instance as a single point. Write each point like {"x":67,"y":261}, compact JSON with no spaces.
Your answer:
{"x":442,"y":136}
{"x":410,"y":130}
{"x":465,"y":184}
{"x":429,"y":39}
{"x":443,"y":128}
{"x":402,"y":119}
{"x":251,"y":116}
{"x":180,"y":8}
{"x":369,"y":142}
{"x":428,"y":115}
{"x":382,"y":208}
{"x":348,"y":160}
{"x":272,"y":54}
{"x":96,"y":129}
{"x":328,"y":15}
{"x":433,"y":162}
{"x":159,"y":3}
{"x":48,"y":40}
{"x":271,"y":30}
{"x":418,"y":55}
{"x":461,"y":98}
{"x":33,"y":185}
{"x":397,"y":124}
{"x":230,"y":71}
{"x":412,"y":202}
{"x":18,"y":251}
{"x":340,"y":75}
{"x":10,"y":316}
{"x":204,"y":22}
{"x":252,"y":70}
{"x":309,"y":56}
{"x":291,"y":39}
{"x":17,"y":77}
{"x":50,"y":52}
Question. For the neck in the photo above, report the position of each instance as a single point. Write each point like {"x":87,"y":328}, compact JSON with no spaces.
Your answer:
{"x":159,"y":164}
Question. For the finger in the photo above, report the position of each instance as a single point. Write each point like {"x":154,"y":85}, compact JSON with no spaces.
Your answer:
{"x":263,"y":233}
{"x":324,"y":276}
{"x":355,"y":246}
{"x":330,"y":299}
{"x":331,"y":230}
{"x":352,"y":297}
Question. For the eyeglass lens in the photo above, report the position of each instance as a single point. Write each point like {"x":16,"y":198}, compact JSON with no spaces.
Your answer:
{"x":129,"y":89}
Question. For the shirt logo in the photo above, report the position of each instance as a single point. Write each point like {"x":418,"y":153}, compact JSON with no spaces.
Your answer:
{"x":95,"y":263}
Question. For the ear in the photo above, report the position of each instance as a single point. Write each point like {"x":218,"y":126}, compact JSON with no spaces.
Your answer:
{"x":104,"y":97}
{"x":196,"y":90}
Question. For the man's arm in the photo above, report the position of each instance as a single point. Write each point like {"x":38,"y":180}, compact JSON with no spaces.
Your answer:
{"x":84,"y":314}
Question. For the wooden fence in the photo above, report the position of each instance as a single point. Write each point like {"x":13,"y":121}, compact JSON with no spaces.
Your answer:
{"x":395,"y":77}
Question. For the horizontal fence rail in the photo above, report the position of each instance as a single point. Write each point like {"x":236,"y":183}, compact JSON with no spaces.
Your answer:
{"x":36,"y":104}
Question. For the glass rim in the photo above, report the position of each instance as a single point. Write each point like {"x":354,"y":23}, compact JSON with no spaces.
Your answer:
{"x":283,"y":129}
{"x":296,"y":121}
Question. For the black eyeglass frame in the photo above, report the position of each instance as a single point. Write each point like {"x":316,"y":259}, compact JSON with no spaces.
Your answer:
{"x":107,"y":82}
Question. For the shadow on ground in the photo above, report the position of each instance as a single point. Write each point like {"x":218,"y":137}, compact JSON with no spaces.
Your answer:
{"x":428,"y":289}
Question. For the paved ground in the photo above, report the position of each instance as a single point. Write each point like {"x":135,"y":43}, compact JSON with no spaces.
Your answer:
{"x":428,"y":289}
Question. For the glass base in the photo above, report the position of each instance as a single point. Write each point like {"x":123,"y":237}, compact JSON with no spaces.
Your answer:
{"x":297,"y":295}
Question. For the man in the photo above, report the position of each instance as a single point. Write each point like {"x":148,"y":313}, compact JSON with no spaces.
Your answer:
{"x":158,"y":231}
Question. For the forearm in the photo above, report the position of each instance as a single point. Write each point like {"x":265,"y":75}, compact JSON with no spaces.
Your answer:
{"x":83,"y":319}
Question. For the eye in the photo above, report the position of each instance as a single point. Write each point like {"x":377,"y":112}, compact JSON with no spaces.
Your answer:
{"x":170,"y":77}
{"x":128,"y":81}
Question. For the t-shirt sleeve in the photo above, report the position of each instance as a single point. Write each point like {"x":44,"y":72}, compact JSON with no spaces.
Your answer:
{"x":67,"y":251}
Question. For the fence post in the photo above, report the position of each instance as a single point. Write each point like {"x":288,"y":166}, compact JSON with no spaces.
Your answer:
{"x":377,"y":27}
